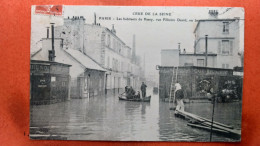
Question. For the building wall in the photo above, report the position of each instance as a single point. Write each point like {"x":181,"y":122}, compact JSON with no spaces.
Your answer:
{"x":61,"y":56}
{"x":94,"y":82}
{"x":216,"y":44}
{"x":170,"y":57}
{"x":49,"y":82}
{"x":92,"y":42}
{"x":215,"y":28}
{"x":72,"y":32}
{"x":192,"y":60}
{"x":102,"y":45}
{"x":77,"y":73}
{"x":191,"y":80}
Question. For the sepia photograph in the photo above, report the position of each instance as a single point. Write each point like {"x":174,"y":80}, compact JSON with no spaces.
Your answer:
{"x":136,"y":73}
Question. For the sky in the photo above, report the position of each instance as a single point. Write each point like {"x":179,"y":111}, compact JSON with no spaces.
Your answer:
{"x":151,"y":37}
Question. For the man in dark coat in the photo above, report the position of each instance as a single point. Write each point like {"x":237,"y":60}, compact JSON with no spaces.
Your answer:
{"x":143,"y":89}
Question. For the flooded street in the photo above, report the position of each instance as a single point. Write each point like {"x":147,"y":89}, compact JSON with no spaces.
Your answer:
{"x":107,"y":118}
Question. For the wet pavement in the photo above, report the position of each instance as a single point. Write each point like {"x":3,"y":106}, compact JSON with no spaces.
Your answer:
{"x":107,"y":118}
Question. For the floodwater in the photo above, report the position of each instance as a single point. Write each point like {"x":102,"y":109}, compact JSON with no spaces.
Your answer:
{"x":107,"y":118}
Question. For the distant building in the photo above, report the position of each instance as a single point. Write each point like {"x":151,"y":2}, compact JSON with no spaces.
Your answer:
{"x":223,"y":45}
{"x":106,"y":49}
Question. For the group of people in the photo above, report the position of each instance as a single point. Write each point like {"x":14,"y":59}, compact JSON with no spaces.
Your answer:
{"x":131,"y":93}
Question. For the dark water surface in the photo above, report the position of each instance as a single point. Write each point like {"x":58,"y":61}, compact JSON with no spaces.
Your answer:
{"x":107,"y":118}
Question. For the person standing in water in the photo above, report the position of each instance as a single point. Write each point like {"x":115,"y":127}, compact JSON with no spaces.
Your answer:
{"x":143,"y":89}
{"x":179,"y":96}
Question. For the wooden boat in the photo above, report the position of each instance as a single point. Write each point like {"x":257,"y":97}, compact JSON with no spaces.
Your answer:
{"x":123,"y":97}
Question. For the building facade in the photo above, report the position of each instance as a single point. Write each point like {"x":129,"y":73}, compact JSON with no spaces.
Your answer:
{"x":212,"y":64}
{"x":196,"y":81}
{"x":106,"y":49}
{"x":86,"y":76}
{"x":49,"y":82}
{"x":222,"y":38}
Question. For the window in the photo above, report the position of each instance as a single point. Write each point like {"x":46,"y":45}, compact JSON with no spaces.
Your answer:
{"x":225,"y":47}
{"x":108,"y":62}
{"x":114,"y":44}
{"x":200,"y":62}
{"x":108,"y":40}
{"x":63,"y":84}
{"x":225,"y":27}
{"x":225,"y":65}
{"x":113,"y":64}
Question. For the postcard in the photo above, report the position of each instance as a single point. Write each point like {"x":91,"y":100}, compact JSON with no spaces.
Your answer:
{"x":136,"y":73}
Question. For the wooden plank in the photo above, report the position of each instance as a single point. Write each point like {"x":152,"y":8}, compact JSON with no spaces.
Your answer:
{"x":217,"y":131}
{"x":207,"y":128}
{"x":207,"y":123}
{"x":217,"y":123}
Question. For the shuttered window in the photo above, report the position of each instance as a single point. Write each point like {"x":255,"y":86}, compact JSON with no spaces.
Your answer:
{"x":231,"y":47}
{"x":219,"y":47}
{"x":225,"y":47}
{"x":200,"y":62}
{"x":225,"y":27}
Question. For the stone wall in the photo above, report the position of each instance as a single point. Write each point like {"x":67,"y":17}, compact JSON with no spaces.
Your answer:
{"x":195,"y":81}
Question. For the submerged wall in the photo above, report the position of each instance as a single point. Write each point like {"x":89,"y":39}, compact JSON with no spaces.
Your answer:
{"x":195,"y":81}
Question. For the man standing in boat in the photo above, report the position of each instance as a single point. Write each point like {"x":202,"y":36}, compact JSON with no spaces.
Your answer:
{"x":143,"y":89}
{"x":179,"y":95}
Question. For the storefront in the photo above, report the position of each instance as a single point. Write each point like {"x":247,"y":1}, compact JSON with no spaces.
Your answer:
{"x":49,"y":82}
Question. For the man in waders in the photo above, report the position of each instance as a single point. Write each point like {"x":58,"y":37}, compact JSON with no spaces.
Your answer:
{"x":143,"y":89}
{"x":179,"y":97}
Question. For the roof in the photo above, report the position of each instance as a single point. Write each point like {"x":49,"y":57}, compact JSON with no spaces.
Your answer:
{"x":211,"y":20}
{"x":195,"y":67}
{"x":36,"y":52}
{"x":42,"y":62}
{"x":85,"y":60}
{"x":108,"y":30}
{"x":198,"y":54}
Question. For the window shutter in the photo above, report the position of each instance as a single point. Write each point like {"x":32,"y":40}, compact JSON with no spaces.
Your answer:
{"x":219,"y":47}
{"x":231,"y":47}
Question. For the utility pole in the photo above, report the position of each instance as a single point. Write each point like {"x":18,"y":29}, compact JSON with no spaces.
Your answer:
{"x":206,"y":50}
{"x":212,"y":118}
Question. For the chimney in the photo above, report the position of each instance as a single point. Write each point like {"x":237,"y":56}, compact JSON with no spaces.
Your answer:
{"x":95,"y":19}
{"x":213,"y":14}
{"x":48,"y":32}
{"x":113,"y":29}
{"x":52,"y":51}
{"x":179,"y":47}
{"x":133,"y":52}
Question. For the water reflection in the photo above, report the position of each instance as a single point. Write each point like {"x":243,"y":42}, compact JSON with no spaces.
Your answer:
{"x":107,"y":118}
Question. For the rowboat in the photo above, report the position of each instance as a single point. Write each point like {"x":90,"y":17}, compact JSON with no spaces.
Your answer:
{"x":123,"y":97}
